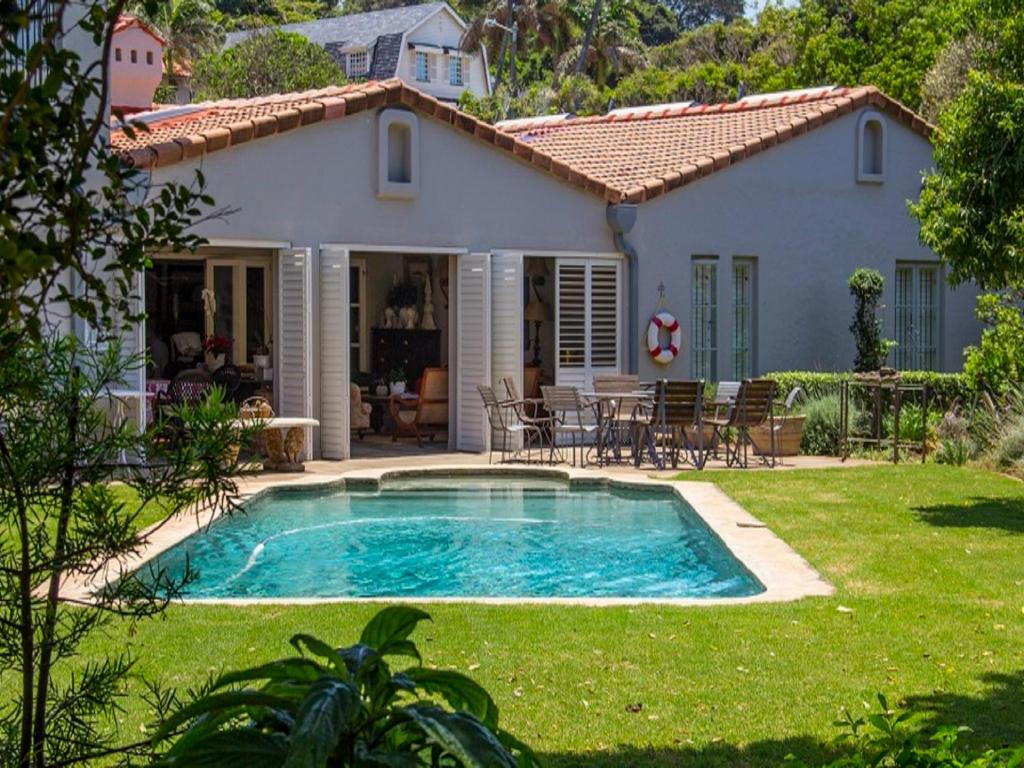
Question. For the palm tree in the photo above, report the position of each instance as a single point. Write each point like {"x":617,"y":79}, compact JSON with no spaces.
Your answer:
{"x":611,"y":47}
{"x":595,"y":14}
{"x":542,"y":26}
{"x":190,"y":28}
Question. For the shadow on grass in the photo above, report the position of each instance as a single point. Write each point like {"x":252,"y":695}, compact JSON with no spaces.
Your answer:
{"x":1003,"y":513}
{"x":996,"y":717}
{"x":760,"y":754}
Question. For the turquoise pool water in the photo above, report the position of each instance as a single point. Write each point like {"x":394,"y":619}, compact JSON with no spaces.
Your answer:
{"x":462,"y":538}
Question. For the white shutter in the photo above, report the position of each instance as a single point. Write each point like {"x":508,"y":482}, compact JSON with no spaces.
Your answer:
{"x":292,"y":344}
{"x":335,"y":353}
{"x":603,"y":316}
{"x":473,"y":362}
{"x":432,"y":62}
{"x":571,"y":323}
{"x":467,"y":67}
{"x":506,"y":320}
{"x":587,"y":320}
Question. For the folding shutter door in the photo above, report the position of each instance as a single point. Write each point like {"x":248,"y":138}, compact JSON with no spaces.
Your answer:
{"x":335,"y":353}
{"x":292,"y":372}
{"x":571,"y":323}
{"x":506,"y":320}
{"x":587,"y":320}
{"x":473,"y":362}
{"x":603,"y":317}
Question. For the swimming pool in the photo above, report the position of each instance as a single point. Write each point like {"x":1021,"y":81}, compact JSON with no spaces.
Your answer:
{"x":457,"y":537}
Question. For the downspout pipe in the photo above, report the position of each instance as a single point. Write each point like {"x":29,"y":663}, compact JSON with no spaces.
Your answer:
{"x":621,"y":217}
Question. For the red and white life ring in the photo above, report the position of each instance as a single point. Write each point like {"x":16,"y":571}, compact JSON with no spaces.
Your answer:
{"x":664,"y":354}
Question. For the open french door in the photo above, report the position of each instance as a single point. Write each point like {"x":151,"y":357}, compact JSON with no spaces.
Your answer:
{"x":473,"y":349}
{"x":507,"y":297}
{"x":335,"y":353}
{"x":588,"y":328}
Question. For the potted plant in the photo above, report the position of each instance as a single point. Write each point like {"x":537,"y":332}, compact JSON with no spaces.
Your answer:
{"x":261,"y":355}
{"x":397,"y":379}
{"x":215,"y":349}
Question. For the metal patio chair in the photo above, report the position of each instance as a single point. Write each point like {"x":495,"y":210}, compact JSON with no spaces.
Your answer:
{"x":498,"y":412}
{"x":753,"y":408}
{"x":571,"y":416}
{"x":684,"y":421}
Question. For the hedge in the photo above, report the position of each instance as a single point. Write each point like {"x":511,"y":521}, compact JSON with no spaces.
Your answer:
{"x":944,"y":389}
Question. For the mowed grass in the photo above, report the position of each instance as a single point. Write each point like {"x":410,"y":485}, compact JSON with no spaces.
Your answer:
{"x":928,"y":563}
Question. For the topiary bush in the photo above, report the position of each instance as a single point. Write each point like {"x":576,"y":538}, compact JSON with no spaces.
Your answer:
{"x":821,"y":427}
{"x":866,"y":287}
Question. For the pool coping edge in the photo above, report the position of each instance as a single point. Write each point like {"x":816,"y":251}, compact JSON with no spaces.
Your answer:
{"x":784,"y":573}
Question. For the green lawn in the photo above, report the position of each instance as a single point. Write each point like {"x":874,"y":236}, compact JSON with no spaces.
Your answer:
{"x":928,"y":560}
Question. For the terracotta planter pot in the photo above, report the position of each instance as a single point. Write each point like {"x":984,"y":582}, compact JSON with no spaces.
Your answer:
{"x":787,"y":438}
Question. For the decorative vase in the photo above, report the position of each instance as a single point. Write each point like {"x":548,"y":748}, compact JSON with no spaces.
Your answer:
{"x":214,"y":360}
{"x":428,"y":308}
{"x":398,"y":388}
{"x":382,"y":390}
{"x":261,"y":361}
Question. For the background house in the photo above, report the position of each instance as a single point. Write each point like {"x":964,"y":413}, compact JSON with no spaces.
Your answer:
{"x":136,"y":65}
{"x":418,"y":44}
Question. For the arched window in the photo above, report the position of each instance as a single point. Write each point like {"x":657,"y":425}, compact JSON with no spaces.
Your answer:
{"x":871,"y":148}
{"x":397,"y":154}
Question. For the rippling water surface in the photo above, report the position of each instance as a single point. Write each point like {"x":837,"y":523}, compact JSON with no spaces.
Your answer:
{"x":462,"y":538}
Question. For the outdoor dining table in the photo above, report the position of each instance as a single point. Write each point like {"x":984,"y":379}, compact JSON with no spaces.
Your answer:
{"x":609,"y":406}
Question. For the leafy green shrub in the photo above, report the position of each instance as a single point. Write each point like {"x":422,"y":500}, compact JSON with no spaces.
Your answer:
{"x":1008,"y":451}
{"x":914,"y":427}
{"x":881,"y":739}
{"x":998,"y":361}
{"x":955,"y":451}
{"x":344,"y":707}
{"x":944,"y":389}
{"x":821,"y":427}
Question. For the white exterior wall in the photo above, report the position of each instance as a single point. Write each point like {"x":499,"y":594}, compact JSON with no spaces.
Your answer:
{"x":133,"y":85}
{"x":798,"y":210}
{"x":444,"y":30}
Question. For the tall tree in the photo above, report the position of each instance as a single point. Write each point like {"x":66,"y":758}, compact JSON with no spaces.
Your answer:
{"x":269,"y":61}
{"x":75,"y":224}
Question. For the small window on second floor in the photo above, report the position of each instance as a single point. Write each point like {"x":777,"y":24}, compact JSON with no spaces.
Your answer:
{"x":117,"y":54}
{"x":455,"y":70}
{"x":135,"y":56}
{"x":422,"y":67}
{"x":871,"y":148}
{"x":149,"y":58}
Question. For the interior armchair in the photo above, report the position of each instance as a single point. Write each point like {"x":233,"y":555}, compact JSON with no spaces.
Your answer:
{"x":426,"y":414}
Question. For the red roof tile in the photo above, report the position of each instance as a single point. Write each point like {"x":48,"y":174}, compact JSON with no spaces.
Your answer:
{"x":643,"y":154}
{"x":126,"y":21}
{"x":628,"y":157}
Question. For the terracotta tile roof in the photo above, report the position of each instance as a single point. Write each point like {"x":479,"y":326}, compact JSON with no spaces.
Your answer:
{"x":127,"y":21}
{"x":643,"y":154}
{"x":628,"y":157}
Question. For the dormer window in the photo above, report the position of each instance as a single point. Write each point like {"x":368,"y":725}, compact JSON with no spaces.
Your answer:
{"x":357,"y":63}
{"x":871,"y":148}
{"x":422,"y":67}
{"x":398,"y":155}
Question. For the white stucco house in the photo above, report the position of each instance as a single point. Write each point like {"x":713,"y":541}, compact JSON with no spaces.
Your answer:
{"x":420,"y":45}
{"x":546,"y":243}
{"x":135,"y":65}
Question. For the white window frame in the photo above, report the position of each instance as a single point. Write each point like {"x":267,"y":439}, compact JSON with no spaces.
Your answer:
{"x":239,"y":330}
{"x":351,"y":60}
{"x":913,"y":315}
{"x":744,"y":317}
{"x":580,"y":371}
{"x":422,"y":72}
{"x":704,"y":325}
{"x":456,"y":66}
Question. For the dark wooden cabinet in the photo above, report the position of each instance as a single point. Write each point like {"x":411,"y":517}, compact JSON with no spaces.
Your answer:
{"x":411,"y":351}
